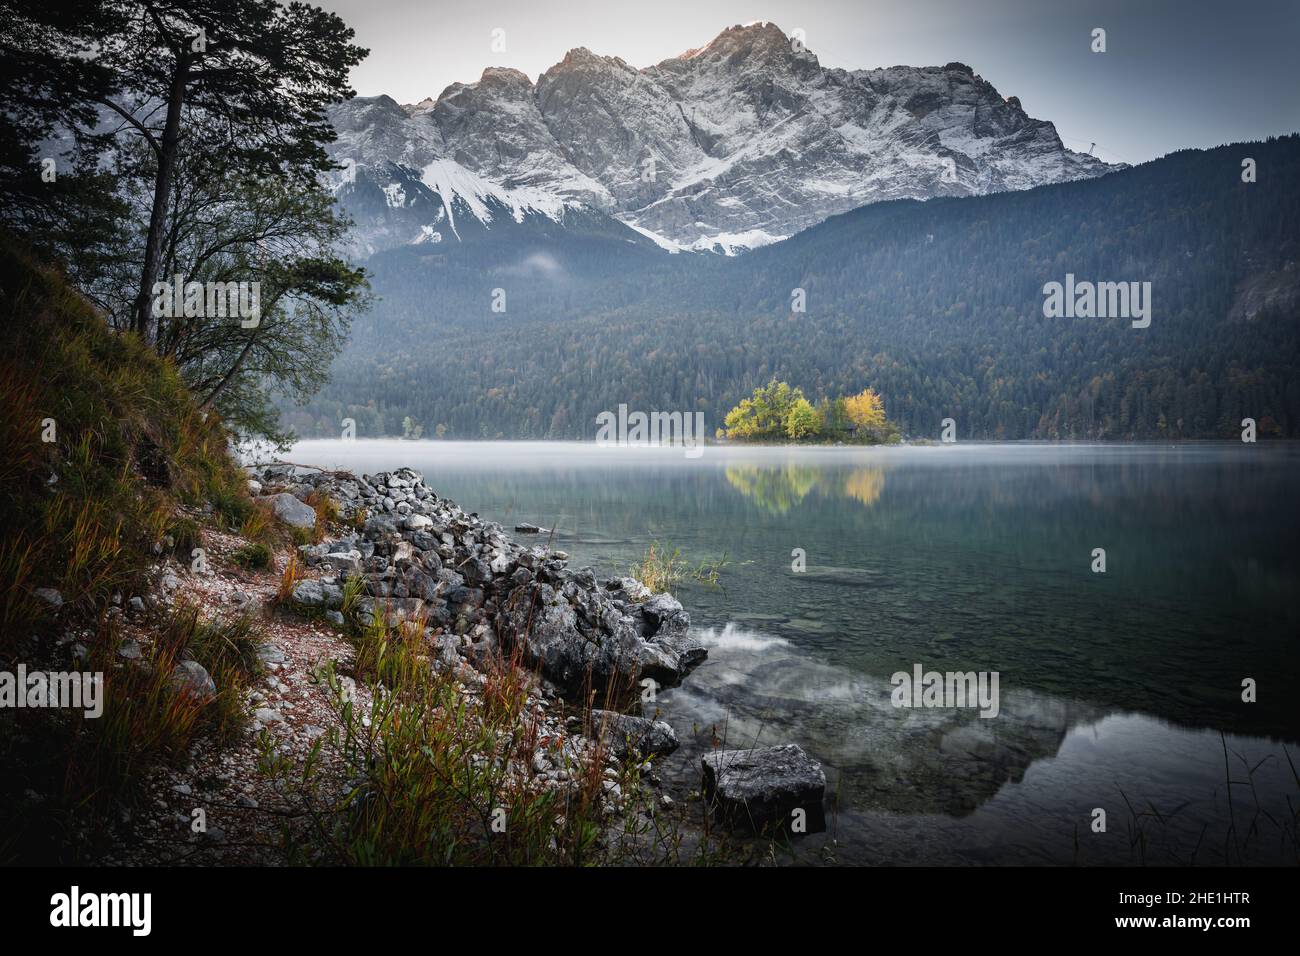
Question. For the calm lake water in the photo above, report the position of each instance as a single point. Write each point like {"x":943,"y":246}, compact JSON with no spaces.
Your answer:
{"x":1119,"y":690}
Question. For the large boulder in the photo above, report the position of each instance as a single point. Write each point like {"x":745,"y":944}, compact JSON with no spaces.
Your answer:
{"x":309,"y":594}
{"x":377,"y":526}
{"x":343,"y":560}
{"x":663,"y":612}
{"x":684,"y":648}
{"x":627,"y":589}
{"x":417,"y":522}
{"x":394,"y":610}
{"x":578,"y":638}
{"x":547,"y":627}
{"x":317,"y":594}
{"x":755,"y":789}
{"x":290,"y":510}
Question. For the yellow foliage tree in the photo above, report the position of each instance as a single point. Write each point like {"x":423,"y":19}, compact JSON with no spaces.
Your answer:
{"x":866,"y":409}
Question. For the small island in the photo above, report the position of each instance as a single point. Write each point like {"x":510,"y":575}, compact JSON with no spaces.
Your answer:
{"x":778,"y":413}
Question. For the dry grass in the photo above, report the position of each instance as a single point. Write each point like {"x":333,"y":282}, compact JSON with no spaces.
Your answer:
{"x":327,"y":513}
{"x":660,"y":569}
{"x":293,"y":573}
{"x":439,"y":776}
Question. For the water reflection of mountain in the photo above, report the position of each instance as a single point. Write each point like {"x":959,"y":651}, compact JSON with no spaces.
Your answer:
{"x":759,"y":690}
{"x":938,"y":786}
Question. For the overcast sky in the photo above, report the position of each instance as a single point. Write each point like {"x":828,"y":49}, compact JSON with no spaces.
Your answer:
{"x":1176,"y":73}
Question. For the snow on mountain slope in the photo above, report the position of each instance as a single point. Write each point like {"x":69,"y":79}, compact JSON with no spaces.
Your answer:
{"x":740,"y":143}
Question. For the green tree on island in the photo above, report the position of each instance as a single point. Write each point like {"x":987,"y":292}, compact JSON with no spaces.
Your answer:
{"x":777,"y":412}
{"x":802,"y":421}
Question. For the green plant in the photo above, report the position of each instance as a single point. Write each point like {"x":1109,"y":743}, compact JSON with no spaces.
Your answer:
{"x":354,"y":588}
{"x":186,"y":535}
{"x":359,"y":518}
{"x":660,"y":569}
{"x":707,"y":572}
{"x":253,"y":556}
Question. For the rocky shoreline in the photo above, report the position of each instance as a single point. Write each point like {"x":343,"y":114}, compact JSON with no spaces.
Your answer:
{"x":480,"y":592}
{"x":399,"y":555}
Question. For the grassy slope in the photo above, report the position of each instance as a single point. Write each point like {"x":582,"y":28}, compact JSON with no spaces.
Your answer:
{"x":82,"y":513}
{"x":106,"y":462}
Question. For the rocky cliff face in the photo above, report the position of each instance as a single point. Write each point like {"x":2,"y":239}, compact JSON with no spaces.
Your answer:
{"x":740,"y":143}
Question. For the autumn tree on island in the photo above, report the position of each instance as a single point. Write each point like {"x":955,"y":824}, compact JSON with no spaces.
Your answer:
{"x":778,"y":413}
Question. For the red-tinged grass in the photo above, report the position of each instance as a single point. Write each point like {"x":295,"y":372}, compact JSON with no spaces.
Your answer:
{"x":434,"y":772}
{"x":327,"y":512}
{"x":259,"y":525}
{"x":431,"y":770}
{"x":293,"y":573}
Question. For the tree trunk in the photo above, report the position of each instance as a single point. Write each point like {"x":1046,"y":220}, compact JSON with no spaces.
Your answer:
{"x":230,"y":374}
{"x":145,"y":323}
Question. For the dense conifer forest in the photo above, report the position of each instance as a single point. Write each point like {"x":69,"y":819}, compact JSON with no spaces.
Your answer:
{"x":936,"y":305}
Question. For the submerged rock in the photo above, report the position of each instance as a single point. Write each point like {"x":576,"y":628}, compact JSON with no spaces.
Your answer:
{"x":753,"y":789}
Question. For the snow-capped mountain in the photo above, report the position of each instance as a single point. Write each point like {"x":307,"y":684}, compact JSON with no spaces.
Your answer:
{"x":740,"y":143}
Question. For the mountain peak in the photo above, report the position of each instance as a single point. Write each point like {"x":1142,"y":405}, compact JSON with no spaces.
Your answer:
{"x":580,"y":55}
{"x":740,"y":143}
{"x":760,"y":36}
{"x":502,"y":77}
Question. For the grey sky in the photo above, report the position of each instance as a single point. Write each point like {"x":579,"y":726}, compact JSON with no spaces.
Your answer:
{"x":1177,"y":73}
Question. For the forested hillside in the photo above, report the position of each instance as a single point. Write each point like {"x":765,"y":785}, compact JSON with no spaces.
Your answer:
{"x":937,"y":305}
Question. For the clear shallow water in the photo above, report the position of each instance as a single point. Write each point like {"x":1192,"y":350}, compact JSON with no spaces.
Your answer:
{"x":1114,"y":687}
